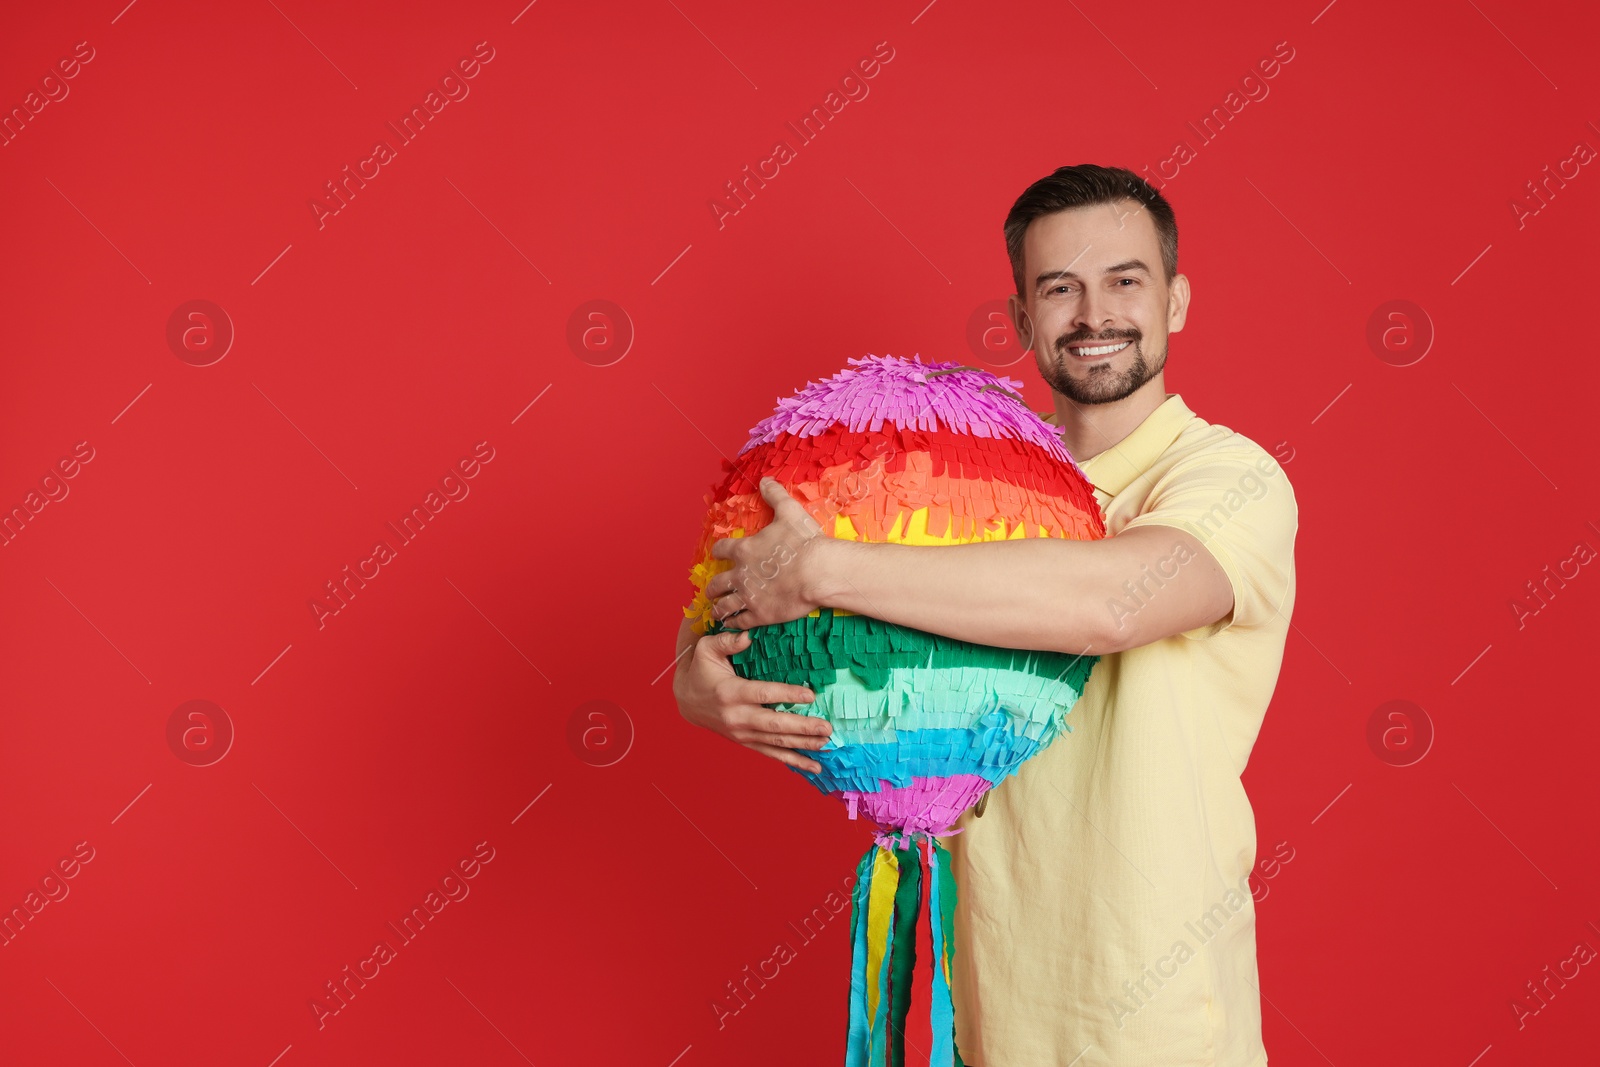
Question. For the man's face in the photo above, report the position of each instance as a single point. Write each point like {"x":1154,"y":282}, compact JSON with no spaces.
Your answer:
{"x":1096,"y":308}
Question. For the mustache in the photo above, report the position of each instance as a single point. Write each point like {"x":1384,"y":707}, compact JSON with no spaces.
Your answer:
{"x":1083,"y":338}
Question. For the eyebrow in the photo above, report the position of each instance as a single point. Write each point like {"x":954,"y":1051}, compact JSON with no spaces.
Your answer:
{"x":1115,"y":268}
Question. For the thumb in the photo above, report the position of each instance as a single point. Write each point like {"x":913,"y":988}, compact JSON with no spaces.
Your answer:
{"x":773,"y":492}
{"x":729,"y":641}
{"x":785,"y":504}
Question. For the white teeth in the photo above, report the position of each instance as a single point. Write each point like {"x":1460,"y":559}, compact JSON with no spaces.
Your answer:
{"x":1103,"y":350}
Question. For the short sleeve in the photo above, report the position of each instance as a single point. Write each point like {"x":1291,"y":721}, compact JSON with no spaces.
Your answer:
{"x":1239,"y":505}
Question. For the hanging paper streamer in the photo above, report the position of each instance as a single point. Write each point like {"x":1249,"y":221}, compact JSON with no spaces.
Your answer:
{"x":899,"y":451}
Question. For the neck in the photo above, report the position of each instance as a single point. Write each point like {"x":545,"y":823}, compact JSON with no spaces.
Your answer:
{"x":1090,"y":429}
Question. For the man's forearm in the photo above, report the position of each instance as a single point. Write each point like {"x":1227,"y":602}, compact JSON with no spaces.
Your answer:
{"x":686,"y":640}
{"x":1031,"y":593}
{"x":686,"y":636}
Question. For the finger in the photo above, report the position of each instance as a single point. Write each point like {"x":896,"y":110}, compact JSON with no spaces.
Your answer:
{"x":724,"y":581}
{"x":784,"y":724}
{"x":799,"y":742}
{"x":805,"y":747}
{"x":727,"y":642}
{"x":758,"y":727}
{"x":723,"y":606}
{"x":784,"y":755}
{"x":787,"y":506}
{"x":733,"y":611}
{"x":773,"y":493}
{"x":722,"y":547}
{"x":758,"y":692}
{"x":802,"y":726}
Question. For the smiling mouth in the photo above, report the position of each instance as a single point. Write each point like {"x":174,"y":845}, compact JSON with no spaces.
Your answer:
{"x":1097,"y":351}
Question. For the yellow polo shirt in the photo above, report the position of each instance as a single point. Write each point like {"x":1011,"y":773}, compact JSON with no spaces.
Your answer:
{"x":1105,"y":916}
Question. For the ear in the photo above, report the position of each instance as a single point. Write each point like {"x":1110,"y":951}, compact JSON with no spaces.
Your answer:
{"x":1177,"y":303}
{"x":1020,"y":321}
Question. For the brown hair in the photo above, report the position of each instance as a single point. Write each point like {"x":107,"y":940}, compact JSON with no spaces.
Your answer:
{"x":1082,"y":186}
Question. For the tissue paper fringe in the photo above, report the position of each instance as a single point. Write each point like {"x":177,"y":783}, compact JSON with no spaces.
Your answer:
{"x":876,"y":391}
{"x":900,"y":487}
{"x":927,"y":805}
{"x":991,"y":751}
{"x":894,"y":450}
{"x":860,"y":474}
{"x":816,"y":650}
{"x":794,"y":459}
{"x":885,"y":908}
{"x":905,"y":703}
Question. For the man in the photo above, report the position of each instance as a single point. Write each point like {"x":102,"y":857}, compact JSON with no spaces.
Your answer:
{"x":1105,"y":914}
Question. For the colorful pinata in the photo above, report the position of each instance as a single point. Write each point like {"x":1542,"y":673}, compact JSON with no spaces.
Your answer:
{"x":901,"y":451}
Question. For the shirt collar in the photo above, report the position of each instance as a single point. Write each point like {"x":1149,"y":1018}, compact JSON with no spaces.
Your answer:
{"x":1114,"y":470}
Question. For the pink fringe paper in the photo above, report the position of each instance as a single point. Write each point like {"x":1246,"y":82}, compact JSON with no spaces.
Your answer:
{"x":874,"y":390}
{"x":927,"y":805}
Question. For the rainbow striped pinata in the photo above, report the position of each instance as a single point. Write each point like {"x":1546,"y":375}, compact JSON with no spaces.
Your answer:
{"x":901,"y":451}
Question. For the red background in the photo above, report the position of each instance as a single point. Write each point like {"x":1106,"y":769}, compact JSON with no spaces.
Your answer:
{"x":372,"y":352}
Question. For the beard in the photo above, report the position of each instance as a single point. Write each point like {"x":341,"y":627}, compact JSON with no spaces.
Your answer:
{"x":1101,"y":384}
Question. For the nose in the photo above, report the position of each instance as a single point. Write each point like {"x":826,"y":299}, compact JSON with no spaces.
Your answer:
{"x":1094,"y":312}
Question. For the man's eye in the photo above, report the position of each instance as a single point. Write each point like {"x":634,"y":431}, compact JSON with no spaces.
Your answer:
{"x":1059,"y":288}
{"x":1130,"y":281}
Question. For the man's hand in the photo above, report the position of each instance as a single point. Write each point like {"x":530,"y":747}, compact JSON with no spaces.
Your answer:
{"x":768,"y":582}
{"x":710,"y":694}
